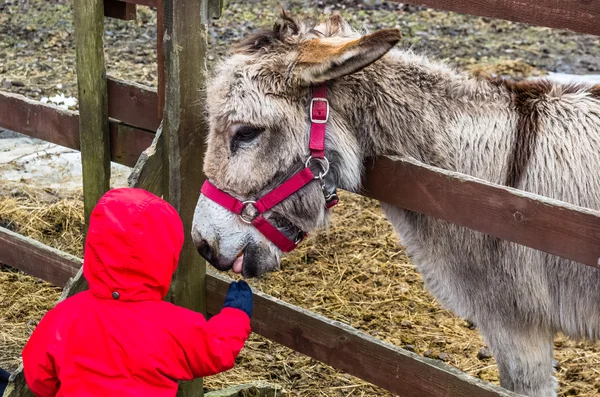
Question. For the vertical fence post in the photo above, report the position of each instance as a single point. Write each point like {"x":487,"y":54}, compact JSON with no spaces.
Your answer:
{"x":160,"y":56}
{"x":93,"y":101}
{"x":184,"y":131}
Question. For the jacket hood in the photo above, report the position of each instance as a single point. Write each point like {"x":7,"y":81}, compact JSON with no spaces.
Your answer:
{"x":132,"y":247}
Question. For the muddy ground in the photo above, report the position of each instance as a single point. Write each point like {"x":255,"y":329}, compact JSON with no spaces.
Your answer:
{"x":355,"y":272}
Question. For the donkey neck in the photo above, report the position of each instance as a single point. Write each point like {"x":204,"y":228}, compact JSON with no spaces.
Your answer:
{"x":408,"y":106}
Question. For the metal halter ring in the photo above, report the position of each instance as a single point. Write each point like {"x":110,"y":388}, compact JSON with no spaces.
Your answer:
{"x":324,"y":164}
{"x":241,"y":215}
{"x":299,"y":238}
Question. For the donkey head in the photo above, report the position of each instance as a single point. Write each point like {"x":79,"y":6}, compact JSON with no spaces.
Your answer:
{"x":258,"y":105}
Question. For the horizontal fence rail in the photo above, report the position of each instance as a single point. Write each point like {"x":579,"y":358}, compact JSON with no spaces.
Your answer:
{"x":53,"y":124}
{"x":535,"y":221}
{"x":37,"y":259}
{"x":577,"y":15}
{"x":120,"y":10}
{"x":149,"y":3}
{"x":132,"y":103}
{"x":334,"y":343}
{"x":352,"y":351}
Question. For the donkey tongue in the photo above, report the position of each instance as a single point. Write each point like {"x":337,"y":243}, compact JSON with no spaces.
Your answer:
{"x":237,"y":265}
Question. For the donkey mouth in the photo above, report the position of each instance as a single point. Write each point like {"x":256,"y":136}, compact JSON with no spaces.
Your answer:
{"x":238,"y":264}
{"x":252,"y":261}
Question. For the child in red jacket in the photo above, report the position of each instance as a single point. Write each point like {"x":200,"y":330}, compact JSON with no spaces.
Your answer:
{"x":120,"y":338}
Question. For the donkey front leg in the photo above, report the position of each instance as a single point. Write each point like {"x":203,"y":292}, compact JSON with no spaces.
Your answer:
{"x":524,"y":358}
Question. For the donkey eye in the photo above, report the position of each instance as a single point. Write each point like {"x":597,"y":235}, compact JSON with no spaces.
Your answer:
{"x":242,"y":136}
{"x":246,"y":133}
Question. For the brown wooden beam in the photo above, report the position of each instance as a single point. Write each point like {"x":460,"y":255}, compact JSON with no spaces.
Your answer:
{"x":160,"y":57}
{"x":59,"y":126}
{"x":334,"y":343}
{"x":120,"y":10}
{"x":37,"y":120}
{"x":538,"y":222}
{"x":37,"y":259}
{"x":128,"y":143}
{"x":133,"y":104}
{"x":149,"y":3}
{"x":349,"y":350}
{"x":577,"y":15}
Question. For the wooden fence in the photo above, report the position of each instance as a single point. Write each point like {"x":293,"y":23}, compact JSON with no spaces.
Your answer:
{"x":131,"y":123}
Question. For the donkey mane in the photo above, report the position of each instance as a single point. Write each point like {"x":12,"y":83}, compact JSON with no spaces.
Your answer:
{"x":267,"y":39}
{"x":528,"y":97}
{"x":287,"y":31}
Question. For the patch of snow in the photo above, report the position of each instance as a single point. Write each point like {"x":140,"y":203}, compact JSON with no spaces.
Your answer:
{"x":41,"y":164}
{"x":61,"y":101}
{"x":573,"y":78}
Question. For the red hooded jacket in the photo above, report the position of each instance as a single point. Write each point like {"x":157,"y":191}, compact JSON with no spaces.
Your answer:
{"x":120,"y":338}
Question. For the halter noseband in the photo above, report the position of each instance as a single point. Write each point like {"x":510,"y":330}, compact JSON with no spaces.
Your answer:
{"x":319,"y":114}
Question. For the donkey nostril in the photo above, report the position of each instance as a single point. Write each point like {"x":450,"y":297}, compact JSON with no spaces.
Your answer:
{"x":206,"y":251}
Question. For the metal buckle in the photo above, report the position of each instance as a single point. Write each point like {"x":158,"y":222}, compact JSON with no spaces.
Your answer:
{"x":324,"y":164}
{"x":312,"y":102}
{"x":241,"y":215}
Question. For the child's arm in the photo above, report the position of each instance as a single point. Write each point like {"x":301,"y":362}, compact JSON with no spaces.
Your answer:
{"x":210,"y":347}
{"x":38,"y":362}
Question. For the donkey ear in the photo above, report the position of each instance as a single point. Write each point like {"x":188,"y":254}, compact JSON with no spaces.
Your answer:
{"x":325,"y":59}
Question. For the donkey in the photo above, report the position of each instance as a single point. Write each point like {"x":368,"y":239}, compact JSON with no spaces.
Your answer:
{"x":532,"y":135}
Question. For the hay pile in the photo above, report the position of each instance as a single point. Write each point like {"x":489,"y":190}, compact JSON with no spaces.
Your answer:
{"x":355,"y":272}
{"x":53,"y":220}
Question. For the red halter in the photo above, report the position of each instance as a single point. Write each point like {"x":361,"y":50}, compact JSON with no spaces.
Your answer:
{"x":319,"y":111}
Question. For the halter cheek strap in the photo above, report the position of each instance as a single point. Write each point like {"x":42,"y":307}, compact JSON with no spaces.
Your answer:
{"x":319,"y":115}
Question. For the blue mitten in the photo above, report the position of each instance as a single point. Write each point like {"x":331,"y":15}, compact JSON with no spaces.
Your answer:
{"x":239,"y":296}
{"x":4,"y":375}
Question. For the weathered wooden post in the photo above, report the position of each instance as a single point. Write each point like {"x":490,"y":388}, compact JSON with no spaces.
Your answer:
{"x":183,"y":136}
{"x":93,"y":101}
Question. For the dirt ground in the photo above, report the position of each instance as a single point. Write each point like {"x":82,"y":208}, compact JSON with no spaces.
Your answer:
{"x":356,"y":271}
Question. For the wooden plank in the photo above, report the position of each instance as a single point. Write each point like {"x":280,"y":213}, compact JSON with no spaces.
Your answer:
{"x":148,"y":3}
{"x":93,"y":101}
{"x":538,"y":222}
{"x":133,"y":104}
{"x":148,"y":171}
{"x":331,"y":342}
{"x":183,"y":135}
{"x":160,"y":57}
{"x":347,"y":349}
{"x":37,"y":259}
{"x":130,"y":103}
{"x":577,"y":15}
{"x":128,"y":143}
{"x":60,"y":126}
{"x":37,"y":120}
{"x":120,"y":10}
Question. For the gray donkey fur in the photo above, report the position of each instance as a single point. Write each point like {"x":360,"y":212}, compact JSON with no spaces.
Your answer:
{"x":533,"y":135}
